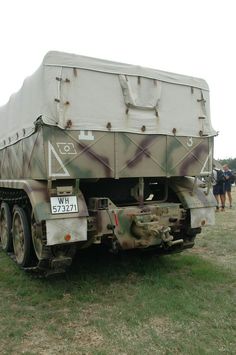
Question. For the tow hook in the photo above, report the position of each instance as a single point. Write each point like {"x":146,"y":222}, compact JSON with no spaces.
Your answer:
{"x":168,"y":238}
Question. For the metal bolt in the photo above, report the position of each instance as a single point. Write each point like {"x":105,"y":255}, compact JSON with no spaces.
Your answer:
{"x":109,"y":125}
{"x":68,"y":124}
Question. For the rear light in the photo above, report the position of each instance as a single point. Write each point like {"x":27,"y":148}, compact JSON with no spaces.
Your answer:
{"x":67,"y":237}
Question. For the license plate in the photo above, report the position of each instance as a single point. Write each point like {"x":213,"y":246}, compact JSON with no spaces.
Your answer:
{"x":64,"y":204}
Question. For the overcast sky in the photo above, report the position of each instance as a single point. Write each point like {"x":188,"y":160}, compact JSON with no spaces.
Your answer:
{"x":195,"y":38}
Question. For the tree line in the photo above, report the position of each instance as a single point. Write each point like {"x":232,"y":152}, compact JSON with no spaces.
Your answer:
{"x":230,"y":161}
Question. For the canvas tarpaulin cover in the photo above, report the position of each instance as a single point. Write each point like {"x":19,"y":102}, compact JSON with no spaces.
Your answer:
{"x":80,"y":93}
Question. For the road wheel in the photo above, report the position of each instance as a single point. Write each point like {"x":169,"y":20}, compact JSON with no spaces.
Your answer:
{"x":39,"y":241}
{"x":21,"y":237}
{"x":5,"y":227}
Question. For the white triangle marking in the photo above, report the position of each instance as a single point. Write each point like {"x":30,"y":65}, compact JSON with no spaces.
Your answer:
{"x":51,"y":151}
{"x":209,"y":157}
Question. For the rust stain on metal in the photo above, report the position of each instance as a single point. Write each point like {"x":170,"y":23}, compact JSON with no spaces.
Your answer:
{"x":68,"y":124}
{"x":108,"y":125}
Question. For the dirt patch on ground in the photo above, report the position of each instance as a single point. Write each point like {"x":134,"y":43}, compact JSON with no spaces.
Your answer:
{"x":39,"y":341}
{"x":200,"y":250}
{"x":162,"y":326}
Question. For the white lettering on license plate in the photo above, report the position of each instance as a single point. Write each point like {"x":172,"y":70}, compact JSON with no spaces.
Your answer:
{"x":64,"y":204}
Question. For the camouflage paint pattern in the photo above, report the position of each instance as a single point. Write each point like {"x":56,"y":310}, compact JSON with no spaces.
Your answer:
{"x":56,"y":155}
{"x":53,"y":153}
{"x":143,"y":227}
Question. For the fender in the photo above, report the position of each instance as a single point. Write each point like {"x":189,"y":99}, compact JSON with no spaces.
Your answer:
{"x":39,"y":197}
{"x":194,"y":197}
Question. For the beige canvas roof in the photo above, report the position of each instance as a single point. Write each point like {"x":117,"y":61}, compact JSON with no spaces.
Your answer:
{"x":100,"y":65}
{"x":92,"y":94}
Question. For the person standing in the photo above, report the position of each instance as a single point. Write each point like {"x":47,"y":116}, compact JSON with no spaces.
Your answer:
{"x":228,"y":178}
{"x":219,"y":188}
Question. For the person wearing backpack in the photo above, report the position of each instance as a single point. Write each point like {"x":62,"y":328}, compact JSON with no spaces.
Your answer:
{"x":218,"y":183}
{"x":229,"y":179}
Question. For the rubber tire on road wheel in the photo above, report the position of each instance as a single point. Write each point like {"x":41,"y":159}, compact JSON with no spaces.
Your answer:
{"x":5,"y":227}
{"x":21,"y":236}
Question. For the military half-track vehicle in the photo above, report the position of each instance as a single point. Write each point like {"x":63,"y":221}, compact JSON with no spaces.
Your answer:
{"x":97,"y":152}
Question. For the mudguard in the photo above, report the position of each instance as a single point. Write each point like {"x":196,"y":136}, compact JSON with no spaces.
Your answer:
{"x":195,"y":197}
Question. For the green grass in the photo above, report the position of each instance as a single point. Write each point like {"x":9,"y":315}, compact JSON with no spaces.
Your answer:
{"x":128,"y":304}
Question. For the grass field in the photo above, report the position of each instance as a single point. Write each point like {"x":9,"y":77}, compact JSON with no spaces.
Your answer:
{"x":128,"y":304}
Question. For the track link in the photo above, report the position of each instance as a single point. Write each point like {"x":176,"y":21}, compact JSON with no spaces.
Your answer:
{"x":47,"y":267}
